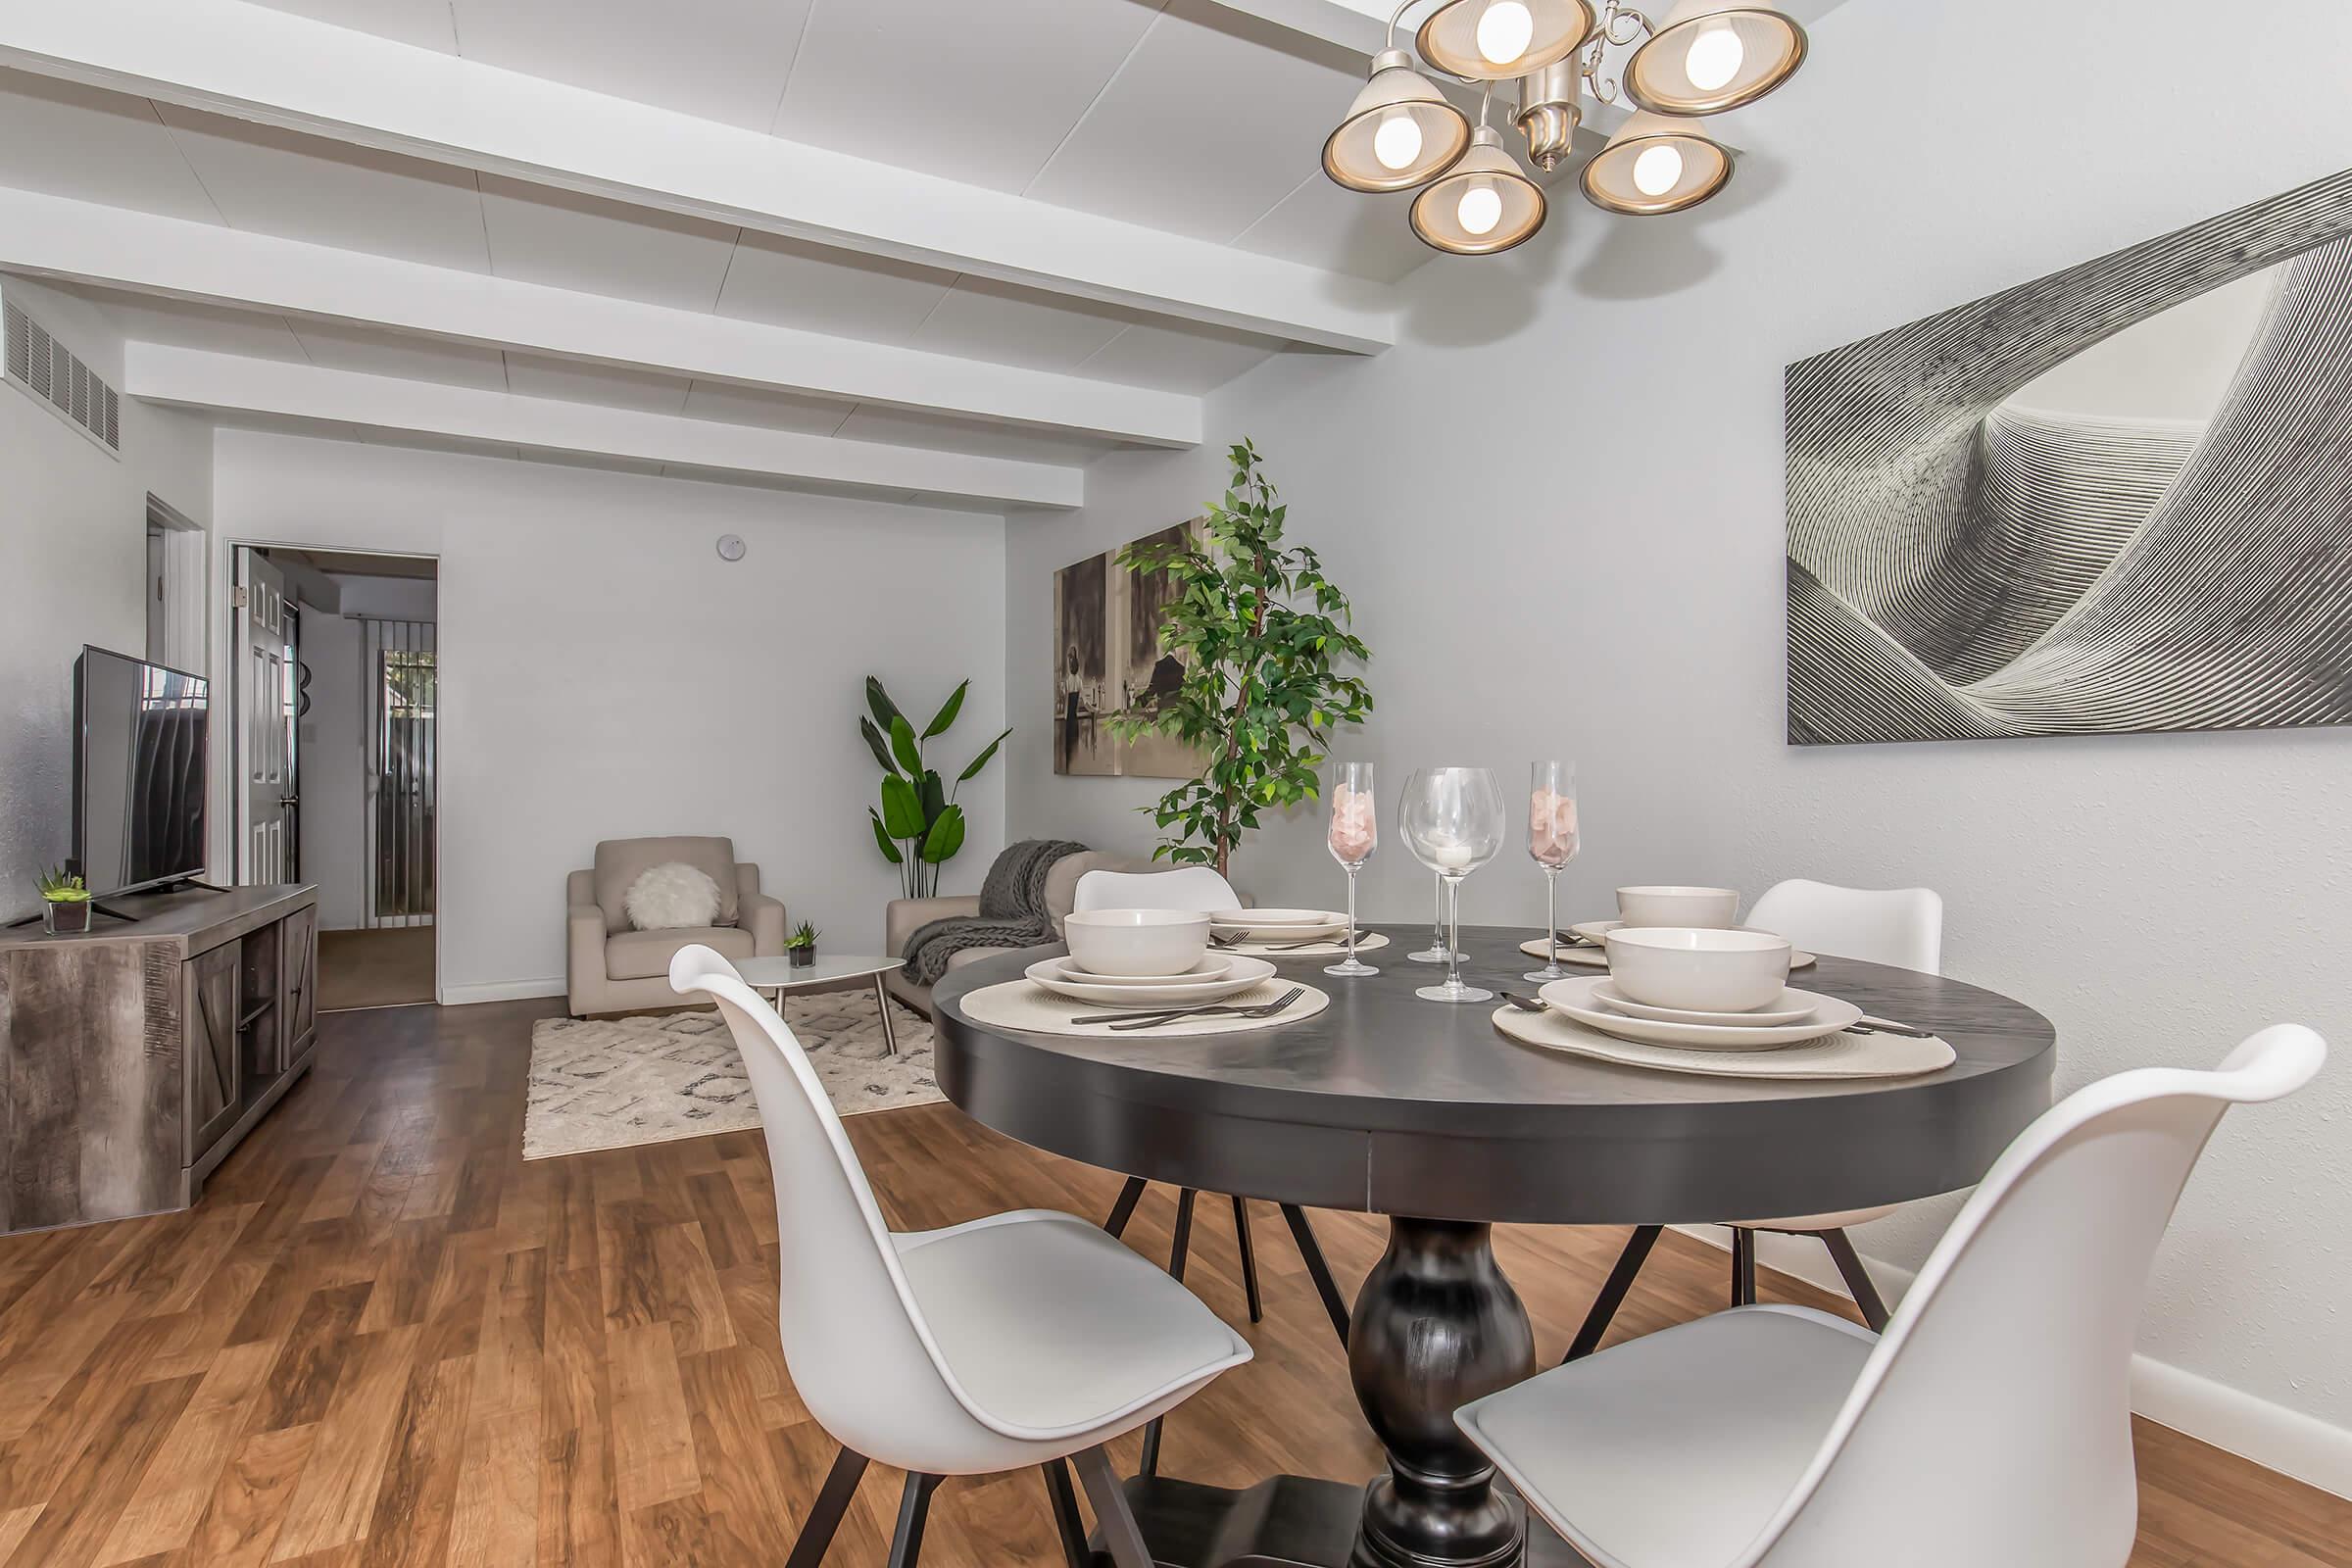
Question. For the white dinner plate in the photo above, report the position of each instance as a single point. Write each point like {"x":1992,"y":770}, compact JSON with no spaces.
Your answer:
{"x":1276,"y":924}
{"x":1792,"y":1007}
{"x":1213,"y":966}
{"x":1575,"y":999}
{"x":1244,"y":973}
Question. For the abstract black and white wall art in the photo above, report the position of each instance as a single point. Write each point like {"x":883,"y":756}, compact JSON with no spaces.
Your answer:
{"x":2117,"y":499}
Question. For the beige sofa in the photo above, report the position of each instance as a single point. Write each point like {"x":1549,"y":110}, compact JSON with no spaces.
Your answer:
{"x":611,"y":967}
{"x":905,"y":916}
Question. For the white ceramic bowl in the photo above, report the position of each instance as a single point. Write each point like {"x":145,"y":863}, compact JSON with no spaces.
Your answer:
{"x":1136,"y":941}
{"x":1703,"y":971}
{"x":1692,"y":908}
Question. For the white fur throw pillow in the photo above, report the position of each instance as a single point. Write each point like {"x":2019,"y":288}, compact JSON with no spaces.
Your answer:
{"x":672,"y":896}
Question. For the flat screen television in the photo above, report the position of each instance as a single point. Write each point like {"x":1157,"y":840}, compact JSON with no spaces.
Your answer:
{"x":138,"y":772}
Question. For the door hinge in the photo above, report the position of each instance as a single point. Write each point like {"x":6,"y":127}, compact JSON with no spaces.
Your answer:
{"x":236,"y":598}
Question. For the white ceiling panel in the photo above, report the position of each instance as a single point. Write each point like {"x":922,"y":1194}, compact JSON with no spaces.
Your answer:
{"x":1193,"y":360}
{"x":542,"y":235}
{"x":273,"y":182}
{"x":334,"y":346}
{"x":536,"y":375}
{"x":1216,"y":117}
{"x":427,"y":24}
{"x":1319,"y":224}
{"x":979,"y":93}
{"x":65,"y":139}
{"x":773,"y":410}
{"x":785,"y":282}
{"x":896,"y":427}
{"x":147,"y":318}
{"x":984,"y":319}
{"x":722,"y":60}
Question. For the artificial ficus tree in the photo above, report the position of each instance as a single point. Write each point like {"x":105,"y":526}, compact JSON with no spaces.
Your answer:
{"x":1262,"y":634}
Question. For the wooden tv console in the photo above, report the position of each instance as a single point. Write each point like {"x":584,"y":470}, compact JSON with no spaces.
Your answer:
{"x":133,"y":1058}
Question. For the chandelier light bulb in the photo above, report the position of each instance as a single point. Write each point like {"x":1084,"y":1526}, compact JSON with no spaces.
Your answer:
{"x":1505,"y":31}
{"x":1480,"y":209}
{"x":1658,"y":170}
{"x":1398,"y":141}
{"x":1715,"y":58}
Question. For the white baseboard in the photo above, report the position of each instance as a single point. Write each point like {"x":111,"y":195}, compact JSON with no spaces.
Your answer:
{"x":501,"y":991}
{"x":2244,"y":1424}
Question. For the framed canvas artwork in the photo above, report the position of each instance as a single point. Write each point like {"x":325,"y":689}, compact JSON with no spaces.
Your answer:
{"x":1107,"y":663}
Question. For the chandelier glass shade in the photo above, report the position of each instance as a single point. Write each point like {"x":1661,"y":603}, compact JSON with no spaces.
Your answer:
{"x":1399,"y":133}
{"x":1710,"y":56}
{"x":1494,"y":40}
{"x":1655,"y":164}
{"x":1482,"y":205}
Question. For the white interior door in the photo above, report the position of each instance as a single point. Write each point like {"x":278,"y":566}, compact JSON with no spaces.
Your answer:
{"x":264,"y":717}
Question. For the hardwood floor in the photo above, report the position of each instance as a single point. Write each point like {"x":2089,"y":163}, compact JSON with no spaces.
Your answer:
{"x":389,"y":966}
{"x":383,"y":1338}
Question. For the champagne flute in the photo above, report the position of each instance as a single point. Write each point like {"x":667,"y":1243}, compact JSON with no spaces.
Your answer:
{"x":1551,"y":843}
{"x":1353,"y":835}
{"x":1452,"y":823}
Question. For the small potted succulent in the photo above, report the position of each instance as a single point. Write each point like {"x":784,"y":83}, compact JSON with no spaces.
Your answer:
{"x":65,"y":902}
{"x":800,"y":946}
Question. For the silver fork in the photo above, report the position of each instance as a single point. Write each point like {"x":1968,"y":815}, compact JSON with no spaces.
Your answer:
{"x":1139,"y":1020}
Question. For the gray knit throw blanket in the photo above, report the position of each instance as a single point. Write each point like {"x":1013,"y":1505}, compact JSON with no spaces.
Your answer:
{"x":1012,"y":911}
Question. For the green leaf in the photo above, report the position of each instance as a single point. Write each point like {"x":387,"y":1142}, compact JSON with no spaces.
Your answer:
{"x":889,"y":851}
{"x":981,"y":761}
{"x":902,"y":808}
{"x":946,"y":836}
{"x":903,"y":746}
{"x":946,"y":711}
{"x":878,"y":701}
{"x":877,"y":745}
{"x":933,"y":796}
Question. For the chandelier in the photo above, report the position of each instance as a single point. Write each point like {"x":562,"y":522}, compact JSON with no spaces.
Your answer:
{"x":1402,"y":133}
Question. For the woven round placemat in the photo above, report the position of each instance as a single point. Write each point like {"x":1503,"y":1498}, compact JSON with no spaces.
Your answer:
{"x":1837,"y":1056}
{"x":1369,"y":942}
{"x":1026,"y":1005}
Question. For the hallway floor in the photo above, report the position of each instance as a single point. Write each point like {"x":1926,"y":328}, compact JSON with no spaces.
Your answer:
{"x":389,"y":967}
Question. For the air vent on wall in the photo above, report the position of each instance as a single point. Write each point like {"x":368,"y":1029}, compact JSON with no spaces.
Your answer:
{"x":45,"y":368}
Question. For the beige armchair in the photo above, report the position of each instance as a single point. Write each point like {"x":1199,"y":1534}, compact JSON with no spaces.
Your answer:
{"x":905,"y":916}
{"x":609,"y":966}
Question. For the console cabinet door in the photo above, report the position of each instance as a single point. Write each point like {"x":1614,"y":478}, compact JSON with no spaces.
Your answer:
{"x":212,"y":1046}
{"x":298,"y":963}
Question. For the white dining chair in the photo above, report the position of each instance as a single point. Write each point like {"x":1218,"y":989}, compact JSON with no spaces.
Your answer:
{"x":1202,"y":889}
{"x":1988,"y":1424}
{"x":1899,"y":926}
{"x":1022,"y":1339}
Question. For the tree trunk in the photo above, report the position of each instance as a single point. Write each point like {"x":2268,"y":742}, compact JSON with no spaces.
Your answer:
{"x":1226,"y":832}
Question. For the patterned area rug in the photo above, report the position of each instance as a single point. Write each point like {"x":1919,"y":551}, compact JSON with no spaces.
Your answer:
{"x":610,"y":1083}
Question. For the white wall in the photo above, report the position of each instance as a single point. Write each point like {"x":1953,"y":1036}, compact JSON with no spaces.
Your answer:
{"x":73,"y":555}
{"x":1559,"y":508}
{"x":603,"y":674}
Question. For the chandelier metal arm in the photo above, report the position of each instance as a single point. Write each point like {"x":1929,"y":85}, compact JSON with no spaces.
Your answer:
{"x":1605,"y":36}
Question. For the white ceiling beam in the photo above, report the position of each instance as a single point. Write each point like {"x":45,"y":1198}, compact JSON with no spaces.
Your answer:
{"x":246,"y":61}
{"x":199,"y":378}
{"x":1361,"y":27}
{"x":180,"y":258}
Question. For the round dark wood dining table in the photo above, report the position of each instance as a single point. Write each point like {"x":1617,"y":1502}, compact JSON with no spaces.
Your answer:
{"x":1425,"y":1112}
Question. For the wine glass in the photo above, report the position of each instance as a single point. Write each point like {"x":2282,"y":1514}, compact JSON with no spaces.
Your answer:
{"x":1452,"y":823}
{"x":1353,"y":835}
{"x":1551,"y":843}
{"x":1437,"y":952}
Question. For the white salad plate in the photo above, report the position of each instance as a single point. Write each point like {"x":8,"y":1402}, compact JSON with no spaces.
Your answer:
{"x":1273,"y":925}
{"x":1792,"y":1006}
{"x":1576,"y":999}
{"x":1213,"y":966}
{"x":1244,"y":974}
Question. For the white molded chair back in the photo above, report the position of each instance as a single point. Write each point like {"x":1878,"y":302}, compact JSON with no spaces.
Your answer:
{"x":861,"y":1355}
{"x":1899,"y":926}
{"x":1190,"y":887}
{"x":1995,"y":1409}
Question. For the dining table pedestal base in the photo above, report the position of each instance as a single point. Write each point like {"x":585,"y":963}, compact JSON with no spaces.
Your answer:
{"x":1285,"y":1522}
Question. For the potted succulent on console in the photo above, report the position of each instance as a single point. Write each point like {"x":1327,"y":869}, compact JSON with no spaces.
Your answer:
{"x":65,"y":902}
{"x":800,"y":946}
